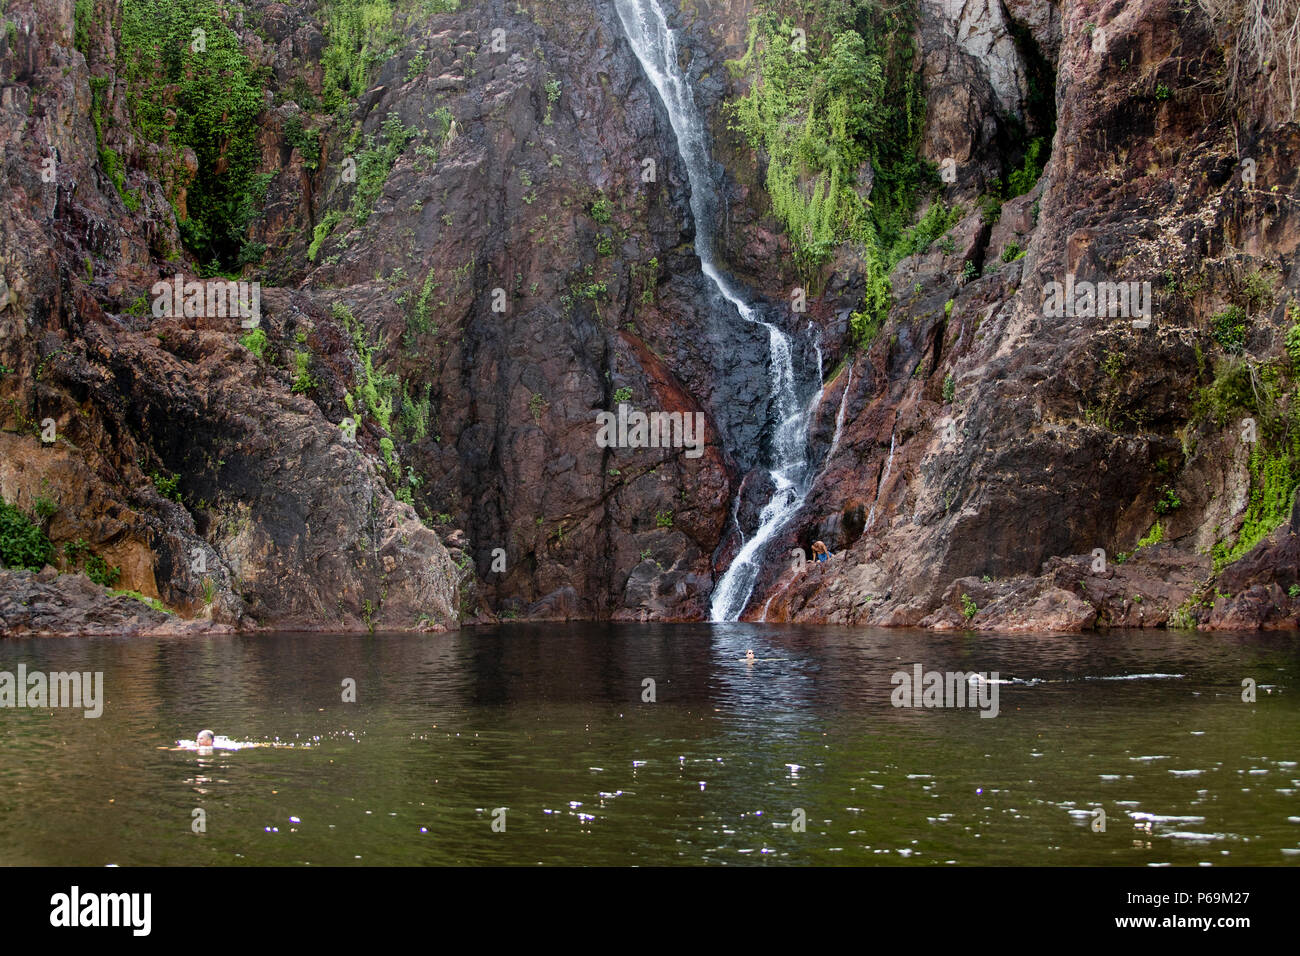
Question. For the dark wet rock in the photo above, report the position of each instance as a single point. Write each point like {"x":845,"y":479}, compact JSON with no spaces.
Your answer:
{"x":48,"y":604}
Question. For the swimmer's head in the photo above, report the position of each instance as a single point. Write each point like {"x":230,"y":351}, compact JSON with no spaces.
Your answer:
{"x":205,"y":738}
{"x":749,"y":655}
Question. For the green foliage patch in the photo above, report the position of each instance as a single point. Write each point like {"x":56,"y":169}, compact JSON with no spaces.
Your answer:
{"x":817,"y":114}
{"x":180,"y":55}
{"x":23,"y":542}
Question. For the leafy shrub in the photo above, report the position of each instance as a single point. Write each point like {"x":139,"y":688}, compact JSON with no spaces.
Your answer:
{"x":991,"y":210}
{"x":1293,"y":334}
{"x":916,"y":239}
{"x":1168,"y":501}
{"x":1152,"y":537}
{"x":216,"y":94}
{"x":1021,"y":180}
{"x":374,"y":165}
{"x":168,"y":486}
{"x":256,"y":342}
{"x":303,"y":380}
{"x":307,"y":142}
{"x":376,"y":387}
{"x":101,"y":572}
{"x":23,"y":543}
{"x":602,"y":211}
{"x":818,"y":116}
{"x":360,"y":33}
{"x":322,"y":231}
{"x":390,"y":455}
{"x":1228,"y":328}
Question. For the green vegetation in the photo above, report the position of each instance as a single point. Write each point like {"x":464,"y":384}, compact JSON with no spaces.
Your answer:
{"x":1021,"y":180}
{"x":216,"y":93}
{"x":407,"y":491}
{"x":663,"y":519}
{"x":949,"y":389}
{"x":419,"y":323}
{"x":390,"y":456}
{"x":322,"y":231}
{"x":303,"y":380}
{"x":413,"y":418}
{"x":968,"y":607}
{"x":819,"y":114}
{"x":374,"y":164}
{"x":167,"y":485}
{"x":1168,"y":502}
{"x":1274,"y":479}
{"x":602,"y":210}
{"x":23,"y":542}
{"x":1153,"y":537}
{"x":1228,"y":328}
{"x":938,"y":219}
{"x":552,"y":97}
{"x":307,"y":142}
{"x":361,"y":35}
{"x":101,"y":572}
{"x":45,"y":508}
{"x":256,"y":342}
{"x":79,"y":555}
{"x":376,"y":387}
{"x":417,"y":65}
{"x":82,"y":14}
{"x":1293,"y":333}
{"x":1266,"y":392}
{"x":137,"y":596}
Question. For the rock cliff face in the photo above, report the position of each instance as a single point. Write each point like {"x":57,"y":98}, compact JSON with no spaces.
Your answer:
{"x":997,"y":463}
{"x":490,"y":243}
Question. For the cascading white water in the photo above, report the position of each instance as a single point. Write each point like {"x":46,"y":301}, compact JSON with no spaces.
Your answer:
{"x":889,"y":463}
{"x":655,"y":45}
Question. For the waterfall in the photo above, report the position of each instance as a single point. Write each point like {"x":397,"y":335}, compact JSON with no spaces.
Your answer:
{"x":880,"y":485}
{"x":655,"y":46}
{"x":839,"y":422}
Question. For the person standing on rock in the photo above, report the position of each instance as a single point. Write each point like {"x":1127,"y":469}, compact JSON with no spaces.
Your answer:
{"x":820,"y":551}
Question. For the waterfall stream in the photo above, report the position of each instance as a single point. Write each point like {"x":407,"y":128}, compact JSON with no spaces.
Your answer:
{"x":655,"y":46}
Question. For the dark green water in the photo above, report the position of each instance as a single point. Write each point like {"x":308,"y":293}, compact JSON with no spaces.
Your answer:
{"x":549,"y":722}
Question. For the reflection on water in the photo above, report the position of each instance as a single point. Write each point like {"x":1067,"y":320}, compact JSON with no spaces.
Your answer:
{"x":794,"y":757}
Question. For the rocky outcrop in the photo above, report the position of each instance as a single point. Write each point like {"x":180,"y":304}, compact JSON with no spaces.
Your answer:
{"x":71,"y":605}
{"x":516,"y":257}
{"x":986,"y":438}
{"x":170,"y":450}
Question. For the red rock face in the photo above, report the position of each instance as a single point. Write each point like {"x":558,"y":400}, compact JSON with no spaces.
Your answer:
{"x":518,"y":273}
{"x":1066,"y":434}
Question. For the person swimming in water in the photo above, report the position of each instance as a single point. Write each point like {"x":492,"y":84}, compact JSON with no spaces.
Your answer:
{"x":205,"y":739}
